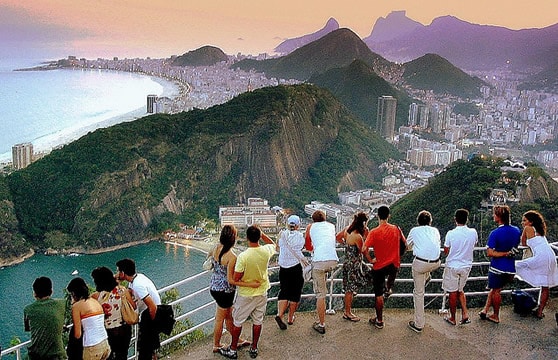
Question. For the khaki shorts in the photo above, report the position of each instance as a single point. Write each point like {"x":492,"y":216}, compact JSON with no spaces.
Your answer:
{"x":100,"y":351}
{"x":249,"y":306}
{"x":455,"y":279}
{"x":319,"y":273}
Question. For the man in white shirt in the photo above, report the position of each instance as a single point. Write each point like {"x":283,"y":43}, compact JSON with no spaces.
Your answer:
{"x":459,"y":247}
{"x":425,"y":242}
{"x":147,"y":297}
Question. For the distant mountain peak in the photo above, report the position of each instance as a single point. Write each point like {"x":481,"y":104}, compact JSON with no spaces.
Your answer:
{"x":392,"y":26}
{"x":289,"y":45}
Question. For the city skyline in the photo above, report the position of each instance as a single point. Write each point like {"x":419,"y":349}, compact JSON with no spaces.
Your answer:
{"x":140,"y":28}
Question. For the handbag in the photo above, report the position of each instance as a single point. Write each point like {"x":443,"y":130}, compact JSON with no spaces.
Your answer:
{"x":208,"y":264}
{"x":129,"y":315}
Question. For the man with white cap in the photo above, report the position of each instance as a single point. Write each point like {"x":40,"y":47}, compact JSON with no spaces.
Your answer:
{"x":289,"y":245}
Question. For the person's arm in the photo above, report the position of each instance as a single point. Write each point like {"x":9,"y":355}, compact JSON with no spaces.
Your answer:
{"x":366,"y":248}
{"x":151,"y":306}
{"x":446,"y":250}
{"x":341,"y":236}
{"x":26,"y":323}
{"x":266,"y":239}
{"x":233,"y":280}
{"x":307,"y":240}
{"x":528,"y":232}
{"x":76,"y":320}
{"x":493,"y":253}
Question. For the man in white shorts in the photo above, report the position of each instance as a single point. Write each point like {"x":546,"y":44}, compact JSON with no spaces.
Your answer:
{"x":458,"y":246}
{"x":251,"y":301}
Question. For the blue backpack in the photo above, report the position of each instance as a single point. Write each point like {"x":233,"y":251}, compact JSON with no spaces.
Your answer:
{"x":523,"y":302}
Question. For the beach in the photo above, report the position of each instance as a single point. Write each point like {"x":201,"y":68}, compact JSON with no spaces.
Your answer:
{"x":46,"y":143}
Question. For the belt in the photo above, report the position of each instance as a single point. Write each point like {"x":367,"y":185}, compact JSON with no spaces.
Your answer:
{"x":427,"y":261}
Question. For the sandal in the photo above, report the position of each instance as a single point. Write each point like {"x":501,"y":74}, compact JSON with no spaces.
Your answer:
{"x":292,"y":321}
{"x":377,"y":324}
{"x":465,"y":321}
{"x":449,"y":321}
{"x":351,"y":317}
{"x":483,"y":315}
{"x":243,"y":343}
{"x":217,"y":348}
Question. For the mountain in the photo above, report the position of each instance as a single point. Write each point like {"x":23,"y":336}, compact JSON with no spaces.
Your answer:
{"x":290,"y":45}
{"x":433,"y":72}
{"x":131,"y":181}
{"x":471,"y":46}
{"x":546,"y":80}
{"x":337,"y":49}
{"x":12,"y":243}
{"x":394,"y":25}
{"x":204,"y":56}
{"x":358,"y":87}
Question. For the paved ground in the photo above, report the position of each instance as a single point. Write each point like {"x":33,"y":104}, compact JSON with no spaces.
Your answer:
{"x":513,"y":339}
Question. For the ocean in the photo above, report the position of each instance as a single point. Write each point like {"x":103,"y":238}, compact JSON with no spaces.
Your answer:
{"x":54,"y":107}
{"x":164,"y":263}
{"x":51,"y":108}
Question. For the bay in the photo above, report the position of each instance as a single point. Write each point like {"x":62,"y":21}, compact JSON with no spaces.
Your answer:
{"x":164,"y":263}
{"x":54,"y":107}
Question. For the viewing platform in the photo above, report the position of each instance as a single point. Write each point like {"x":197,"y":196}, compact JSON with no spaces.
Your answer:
{"x":514,"y":338}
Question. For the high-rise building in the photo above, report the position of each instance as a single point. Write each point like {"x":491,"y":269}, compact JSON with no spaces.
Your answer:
{"x":413,"y":114}
{"x":22,"y":155}
{"x":151,"y":103}
{"x":385,"y":122}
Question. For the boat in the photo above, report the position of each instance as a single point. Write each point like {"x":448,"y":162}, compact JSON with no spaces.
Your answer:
{"x":75,"y":272}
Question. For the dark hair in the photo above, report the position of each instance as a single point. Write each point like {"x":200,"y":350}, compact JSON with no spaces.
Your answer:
{"x":383,"y":212}
{"x":104,"y":279}
{"x":128,"y":266}
{"x":78,"y":289}
{"x":537,"y":220}
{"x":253,"y":234}
{"x":424,"y":218}
{"x":318,"y":216}
{"x":359,"y":223}
{"x":461,"y":216}
{"x":227,"y":239}
{"x":42,"y":286}
{"x":503,"y":213}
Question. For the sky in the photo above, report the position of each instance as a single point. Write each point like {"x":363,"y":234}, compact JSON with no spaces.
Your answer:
{"x":161,"y":28}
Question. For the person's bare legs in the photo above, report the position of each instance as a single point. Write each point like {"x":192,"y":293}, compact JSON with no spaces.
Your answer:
{"x":488,"y":303}
{"x":281,"y":307}
{"x":452,"y":299}
{"x":379,"y":306}
{"x":496,"y":302}
{"x":463,"y":303}
{"x":348,"y":303}
{"x":544,"y":299}
{"x":256,"y":332}
{"x":292,"y":308}
{"x":220,"y":317}
{"x":320,"y":309}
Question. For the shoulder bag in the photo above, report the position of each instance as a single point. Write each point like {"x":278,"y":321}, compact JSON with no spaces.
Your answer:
{"x":129,"y":315}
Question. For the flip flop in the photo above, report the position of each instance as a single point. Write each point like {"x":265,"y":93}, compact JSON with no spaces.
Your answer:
{"x":351,"y":318}
{"x":292,"y":321}
{"x":449,"y":321}
{"x":493,"y":320}
{"x":465,"y":321}
{"x":483,"y":316}
{"x":243,"y":343}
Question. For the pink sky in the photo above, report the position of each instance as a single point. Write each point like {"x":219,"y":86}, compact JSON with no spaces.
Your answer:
{"x":160,"y":28}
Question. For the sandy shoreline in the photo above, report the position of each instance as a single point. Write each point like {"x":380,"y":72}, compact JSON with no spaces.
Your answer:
{"x":46,"y":143}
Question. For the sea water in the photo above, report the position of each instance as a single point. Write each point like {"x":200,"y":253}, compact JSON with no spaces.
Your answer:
{"x":163,"y":263}
{"x":54,"y":107}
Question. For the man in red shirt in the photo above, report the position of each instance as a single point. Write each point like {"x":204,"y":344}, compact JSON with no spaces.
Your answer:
{"x":385,"y":240}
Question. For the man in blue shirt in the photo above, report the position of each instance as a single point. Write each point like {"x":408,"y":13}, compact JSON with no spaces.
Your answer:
{"x":501,"y":241}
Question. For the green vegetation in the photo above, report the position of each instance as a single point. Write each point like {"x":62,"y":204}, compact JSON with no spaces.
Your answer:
{"x":204,"y":56}
{"x":133,"y":180}
{"x":433,"y":72}
{"x":359,"y":87}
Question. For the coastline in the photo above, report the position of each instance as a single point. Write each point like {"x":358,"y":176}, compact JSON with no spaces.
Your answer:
{"x":14,"y":261}
{"x":46,"y":143}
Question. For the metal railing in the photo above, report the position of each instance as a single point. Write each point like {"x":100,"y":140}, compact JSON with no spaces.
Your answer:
{"x":334,"y":292}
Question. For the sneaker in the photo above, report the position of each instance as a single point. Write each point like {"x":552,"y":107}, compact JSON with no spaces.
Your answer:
{"x":253,"y":353}
{"x":228,"y":353}
{"x":377,"y":324}
{"x":413,"y":327}
{"x":280,"y":323}
{"x":319,"y":328}
{"x":387,"y":293}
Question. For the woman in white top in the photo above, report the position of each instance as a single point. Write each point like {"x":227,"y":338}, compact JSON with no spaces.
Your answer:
{"x":290,"y":244}
{"x":89,"y":319}
{"x":539,"y":269}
